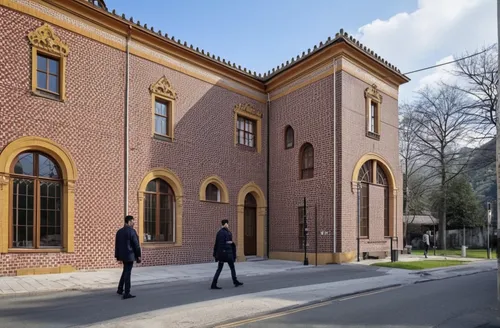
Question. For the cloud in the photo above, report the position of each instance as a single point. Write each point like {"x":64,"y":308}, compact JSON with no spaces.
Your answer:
{"x":437,"y":30}
{"x":439,"y":74}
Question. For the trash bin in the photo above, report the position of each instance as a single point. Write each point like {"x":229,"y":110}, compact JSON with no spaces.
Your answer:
{"x":464,"y":251}
{"x":395,"y":255}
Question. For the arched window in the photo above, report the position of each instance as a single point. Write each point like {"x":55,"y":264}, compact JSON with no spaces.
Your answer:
{"x":212,"y":193}
{"x":36,"y":218}
{"x":307,"y":162}
{"x":159,"y":212}
{"x":382,"y":181}
{"x":289,"y":137}
{"x":366,"y":178}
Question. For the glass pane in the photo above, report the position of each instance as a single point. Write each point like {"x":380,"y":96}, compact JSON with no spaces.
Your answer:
{"x":250,"y":127}
{"x":54,"y":83}
{"x":53,"y":66}
{"x":24,"y":164}
{"x":47,"y":168}
{"x":50,"y":227}
{"x":151,"y":186}
{"x":212,"y":193}
{"x":161,"y":108}
{"x":22,"y":213}
{"x":41,"y":80}
{"x":164,"y":187}
{"x":161,"y":125}
{"x":41,"y":63}
{"x":150,"y":217}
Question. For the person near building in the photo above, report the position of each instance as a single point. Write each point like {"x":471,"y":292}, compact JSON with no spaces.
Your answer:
{"x":127,"y":250}
{"x":426,"y":240}
{"x":224,"y":252}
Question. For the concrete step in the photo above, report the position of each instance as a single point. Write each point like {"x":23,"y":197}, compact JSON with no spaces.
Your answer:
{"x":255,"y":258}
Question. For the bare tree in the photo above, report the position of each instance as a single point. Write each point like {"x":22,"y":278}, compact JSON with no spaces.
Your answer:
{"x":443,"y":132}
{"x":411,"y":162}
{"x":478,"y":78}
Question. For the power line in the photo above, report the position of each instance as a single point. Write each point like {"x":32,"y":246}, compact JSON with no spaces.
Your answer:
{"x":447,"y":63}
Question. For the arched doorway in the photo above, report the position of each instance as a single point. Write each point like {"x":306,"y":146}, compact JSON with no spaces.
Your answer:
{"x":250,"y":222}
{"x":250,"y":228}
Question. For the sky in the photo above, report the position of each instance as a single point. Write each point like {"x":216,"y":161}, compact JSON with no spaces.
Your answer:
{"x":262,"y":34}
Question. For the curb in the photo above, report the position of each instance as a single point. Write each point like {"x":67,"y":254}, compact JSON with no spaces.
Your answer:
{"x":455,"y":276}
{"x":294,"y":307}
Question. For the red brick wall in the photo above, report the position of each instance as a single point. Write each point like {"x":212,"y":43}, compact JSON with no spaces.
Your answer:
{"x":309,"y":111}
{"x":203,"y":146}
{"x":89,"y":124}
{"x":355,"y":144}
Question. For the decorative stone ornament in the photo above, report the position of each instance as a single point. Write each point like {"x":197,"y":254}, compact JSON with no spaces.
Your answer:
{"x":163,"y":88}
{"x":44,"y":38}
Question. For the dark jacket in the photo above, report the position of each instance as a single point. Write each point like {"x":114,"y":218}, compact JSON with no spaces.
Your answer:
{"x":127,"y":248}
{"x":224,"y":252}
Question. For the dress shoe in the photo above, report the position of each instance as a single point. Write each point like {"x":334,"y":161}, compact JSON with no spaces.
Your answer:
{"x":127,"y":296}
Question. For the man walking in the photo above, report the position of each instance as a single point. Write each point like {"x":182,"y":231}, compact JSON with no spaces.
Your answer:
{"x":426,"y":240}
{"x":127,"y":250}
{"x":224,"y":252}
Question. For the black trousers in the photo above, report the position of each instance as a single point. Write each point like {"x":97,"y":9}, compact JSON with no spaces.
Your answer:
{"x":426,"y":249}
{"x":219,"y":270}
{"x":125,"y":279}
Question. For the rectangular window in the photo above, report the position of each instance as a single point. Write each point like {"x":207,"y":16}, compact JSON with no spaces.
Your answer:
{"x":47,"y":74}
{"x":161,"y":117}
{"x":246,"y":132}
{"x":373,"y":117}
{"x":301,"y":227}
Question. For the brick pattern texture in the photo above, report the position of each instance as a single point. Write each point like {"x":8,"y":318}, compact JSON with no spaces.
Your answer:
{"x":90,"y":124}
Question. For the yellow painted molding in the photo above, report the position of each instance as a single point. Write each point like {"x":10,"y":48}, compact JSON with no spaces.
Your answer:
{"x":255,"y":190}
{"x":249,"y":112}
{"x":45,"y":42}
{"x":175,"y":183}
{"x":164,"y":91}
{"x":217,"y":181}
{"x":385,"y":166}
{"x":69,"y":175}
{"x":38,"y":271}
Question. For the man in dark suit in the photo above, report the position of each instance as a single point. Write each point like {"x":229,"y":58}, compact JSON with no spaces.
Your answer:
{"x":127,"y":250}
{"x":224,"y":252}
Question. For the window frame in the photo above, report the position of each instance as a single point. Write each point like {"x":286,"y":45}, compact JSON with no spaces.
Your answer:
{"x":373,"y":103}
{"x":217,"y":181}
{"x":46,"y":43}
{"x":302,"y":158}
{"x":36,"y":203}
{"x":246,"y":133}
{"x":289,"y":144}
{"x":218,"y":195}
{"x":171,"y":198}
{"x":248,"y":112}
{"x":163,"y":92}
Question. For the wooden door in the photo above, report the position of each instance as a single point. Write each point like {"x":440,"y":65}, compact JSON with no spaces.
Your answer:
{"x":250,"y":227}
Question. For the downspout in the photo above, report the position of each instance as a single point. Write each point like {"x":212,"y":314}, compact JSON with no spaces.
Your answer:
{"x":127,"y":67}
{"x":334,"y":156}
{"x":267,"y":173}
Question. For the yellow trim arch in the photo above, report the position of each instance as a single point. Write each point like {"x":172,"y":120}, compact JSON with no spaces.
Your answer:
{"x":385,"y":166}
{"x":175,"y":183}
{"x":255,"y":190}
{"x":68,"y":171}
{"x":217,"y":181}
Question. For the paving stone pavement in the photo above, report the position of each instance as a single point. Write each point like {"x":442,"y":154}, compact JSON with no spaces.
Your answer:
{"x":108,"y":278}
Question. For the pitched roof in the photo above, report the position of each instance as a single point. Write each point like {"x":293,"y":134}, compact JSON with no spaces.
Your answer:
{"x":341,"y":36}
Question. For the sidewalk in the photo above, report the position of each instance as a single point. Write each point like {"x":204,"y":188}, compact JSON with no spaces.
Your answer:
{"x":108,"y":278}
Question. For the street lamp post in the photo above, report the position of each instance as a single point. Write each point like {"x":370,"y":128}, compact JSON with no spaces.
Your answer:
{"x":306,"y":260}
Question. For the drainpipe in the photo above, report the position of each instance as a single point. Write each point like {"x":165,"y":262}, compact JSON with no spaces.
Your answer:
{"x":127,"y":68}
{"x":267,"y":169}
{"x":334,"y":156}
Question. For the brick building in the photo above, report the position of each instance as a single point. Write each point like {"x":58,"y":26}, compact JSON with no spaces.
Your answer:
{"x":101,"y":116}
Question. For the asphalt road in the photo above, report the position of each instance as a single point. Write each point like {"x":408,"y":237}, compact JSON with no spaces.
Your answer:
{"x":467,"y":301}
{"x":69,"y":309}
